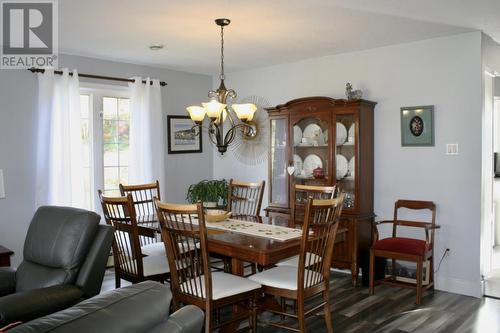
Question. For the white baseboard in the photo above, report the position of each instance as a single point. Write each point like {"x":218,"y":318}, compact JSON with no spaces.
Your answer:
{"x":459,"y":286}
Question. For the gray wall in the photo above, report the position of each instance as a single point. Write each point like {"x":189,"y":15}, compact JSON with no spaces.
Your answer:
{"x":18,"y":100}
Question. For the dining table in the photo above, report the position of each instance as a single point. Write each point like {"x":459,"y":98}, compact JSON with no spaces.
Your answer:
{"x":240,"y":248}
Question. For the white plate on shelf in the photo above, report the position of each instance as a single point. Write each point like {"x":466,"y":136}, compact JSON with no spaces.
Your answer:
{"x":341,"y":134}
{"x":351,"y":167}
{"x":312,"y":131}
{"x":351,"y":134}
{"x":311,"y":162}
{"x":297,"y":135}
{"x":298,"y":164}
{"x":342,"y":166}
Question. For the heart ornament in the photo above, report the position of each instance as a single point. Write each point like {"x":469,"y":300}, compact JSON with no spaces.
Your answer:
{"x":290,"y":170}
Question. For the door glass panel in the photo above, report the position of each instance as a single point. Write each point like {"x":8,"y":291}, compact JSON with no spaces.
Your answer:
{"x":310,"y":152}
{"x":345,"y":159}
{"x":279,"y":179}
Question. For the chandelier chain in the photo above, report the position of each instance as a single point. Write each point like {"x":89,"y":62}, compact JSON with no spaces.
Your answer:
{"x":222,"y":77}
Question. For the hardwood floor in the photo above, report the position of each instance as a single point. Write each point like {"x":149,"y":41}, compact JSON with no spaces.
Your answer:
{"x":392,"y":310}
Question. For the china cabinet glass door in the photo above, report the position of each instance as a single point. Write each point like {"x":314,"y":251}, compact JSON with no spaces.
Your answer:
{"x":346,"y":143}
{"x":310,"y":152}
{"x":278,"y":162}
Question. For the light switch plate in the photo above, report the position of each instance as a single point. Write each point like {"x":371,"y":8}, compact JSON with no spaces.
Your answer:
{"x":2,"y":187}
{"x":452,"y":149}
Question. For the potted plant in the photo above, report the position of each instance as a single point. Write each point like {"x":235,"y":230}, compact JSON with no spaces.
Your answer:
{"x":210,"y":192}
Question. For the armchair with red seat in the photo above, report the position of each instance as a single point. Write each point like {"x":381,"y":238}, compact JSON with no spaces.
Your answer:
{"x":64,"y":260}
{"x":406,"y":249}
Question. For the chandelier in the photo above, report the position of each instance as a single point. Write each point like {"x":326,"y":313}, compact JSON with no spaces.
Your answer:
{"x":238,"y":117}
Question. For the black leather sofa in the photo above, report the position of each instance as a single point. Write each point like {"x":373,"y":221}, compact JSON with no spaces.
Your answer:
{"x":143,"y":307}
{"x":64,"y":260}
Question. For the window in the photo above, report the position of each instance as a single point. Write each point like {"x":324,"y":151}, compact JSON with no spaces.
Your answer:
{"x":116,"y":128}
{"x":105,"y":115}
{"x":87,"y":148}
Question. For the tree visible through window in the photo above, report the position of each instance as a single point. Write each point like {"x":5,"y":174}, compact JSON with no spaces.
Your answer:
{"x":116,"y":129}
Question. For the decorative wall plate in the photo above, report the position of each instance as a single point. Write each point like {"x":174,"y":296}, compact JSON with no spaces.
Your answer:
{"x":297,"y":135}
{"x":312,"y":131}
{"x":341,"y":134}
{"x":342,"y":166}
{"x":311,"y":162}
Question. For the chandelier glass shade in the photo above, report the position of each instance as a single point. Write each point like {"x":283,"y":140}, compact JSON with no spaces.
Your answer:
{"x":237,"y":116}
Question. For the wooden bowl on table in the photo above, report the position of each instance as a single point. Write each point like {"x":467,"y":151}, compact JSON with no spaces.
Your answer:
{"x":216,"y":215}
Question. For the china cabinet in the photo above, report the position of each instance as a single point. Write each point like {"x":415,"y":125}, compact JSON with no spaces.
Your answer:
{"x":325,"y":141}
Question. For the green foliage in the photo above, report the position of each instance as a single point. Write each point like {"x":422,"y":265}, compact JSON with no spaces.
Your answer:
{"x":208,"y":191}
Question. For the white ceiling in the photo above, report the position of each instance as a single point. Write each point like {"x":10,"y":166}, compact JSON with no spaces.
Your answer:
{"x":262,"y":32}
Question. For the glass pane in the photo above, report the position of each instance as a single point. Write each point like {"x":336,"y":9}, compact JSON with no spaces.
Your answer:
{"x":87,"y":187}
{"x":110,"y":155}
{"x":109,"y":108}
{"x":110,"y":131}
{"x":123,"y":131}
{"x":112,"y":193}
{"x":124,"y":175}
{"x":86,"y":156}
{"x":85,"y":106}
{"x":124,"y":109}
{"x":279,"y":193}
{"x":345,"y":160}
{"x":310,"y":152}
{"x":124,"y":154}
{"x":85,"y":123}
{"x":111,"y":178}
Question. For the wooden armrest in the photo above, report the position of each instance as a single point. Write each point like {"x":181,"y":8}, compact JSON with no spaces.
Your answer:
{"x":383,"y":222}
{"x":435,"y":226}
{"x":414,"y":224}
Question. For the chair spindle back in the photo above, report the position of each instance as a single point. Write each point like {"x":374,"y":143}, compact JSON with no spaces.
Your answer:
{"x":245,"y":198}
{"x":304,"y":192}
{"x":318,"y":238}
{"x":119,"y":212}
{"x":183,"y":231}
{"x":143,"y":198}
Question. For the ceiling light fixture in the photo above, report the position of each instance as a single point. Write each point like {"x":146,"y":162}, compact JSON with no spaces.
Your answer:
{"x":218,"y":113}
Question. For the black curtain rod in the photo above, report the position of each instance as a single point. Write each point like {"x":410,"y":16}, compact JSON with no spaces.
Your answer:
{"x":91,"y":76}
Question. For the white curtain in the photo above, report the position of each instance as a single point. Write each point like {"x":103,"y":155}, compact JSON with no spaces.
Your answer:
{"x":59,"y":179}
{"x":147,"y":149}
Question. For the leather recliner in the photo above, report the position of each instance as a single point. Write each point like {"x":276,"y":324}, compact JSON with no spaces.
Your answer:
{"x":142,"y":307}
{"x":64,"y":260}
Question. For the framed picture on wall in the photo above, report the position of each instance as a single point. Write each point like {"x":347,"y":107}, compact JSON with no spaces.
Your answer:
{"x":417,"y":126}
{"x":182,"y":137}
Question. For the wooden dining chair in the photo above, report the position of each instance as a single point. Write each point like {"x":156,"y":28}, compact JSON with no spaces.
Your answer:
{"x":245,"y":198}
{"x":312,"y":277}
{"x":406,"y":249}
{"x":192,"y":280}
{"x":303,"y":192}
{"x":129,"y":262}
{"x":143,"y":198}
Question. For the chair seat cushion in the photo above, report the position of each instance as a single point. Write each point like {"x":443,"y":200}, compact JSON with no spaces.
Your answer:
{"x":158,"y":248}
{"x":153,"y":249}
{"x":223,"y":285}
{"x":151,"y":265}
{"x":283,"y":277}
{"x":154,"y":265}
{"x":402,"y":245}
{"x":311,"y":259}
